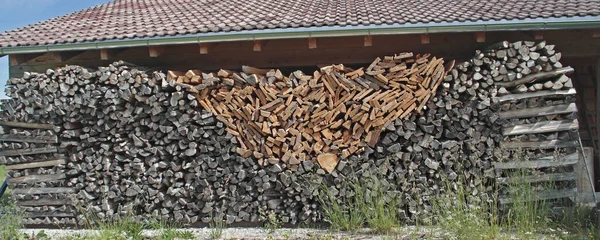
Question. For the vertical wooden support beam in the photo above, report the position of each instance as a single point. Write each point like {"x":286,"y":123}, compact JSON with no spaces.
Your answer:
{"x":57,"y":57}
{"x":537,"y":35}
{"x":596,"y":34}
{"x":480,"y":37}
{"x":257,"y":46}
{"x":312,"y":43}
{"x":203,"y":48}
{"x":155,"y":51}
{"x":597,"y":72}
{"x":14,"y":60}
{"x":104,"y":54}
{"x":368,"y":41}
{"x":424,"y":38}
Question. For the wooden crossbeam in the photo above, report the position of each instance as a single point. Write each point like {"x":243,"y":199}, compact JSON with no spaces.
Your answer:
{"x":50,"y":163}
{"x":30,"y":139}
{"x":538,"y":144}
{"x":541,"y":127}
{"x":27,"y":125}
{"x":540,"y":111}
{"x":29,"y":151}
{"x":42,"y":190}
{"x":552,"y":194}
{"x":550,"y":161}
{"x":36,"y":178}
{"x":520,"y":96}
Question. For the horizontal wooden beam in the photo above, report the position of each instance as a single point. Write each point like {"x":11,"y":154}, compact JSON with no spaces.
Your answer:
{"x":36,"y":178}
{"x":42,"y":190}
{"x":552,"y":194}
{"x":45,"y":202}
{"x":539,"y":111}
{"x":541,"y":127}
{"x":536,"y":77}
{"x":519,"y":96}
{"x":30,"y":139}
{"x":27,"y":125}
{"x":49,"y":214}
{"x":50,"y":163}
{"x":29,"y":151}
{"x":550,"y":177}
{"x":538,"y":144}
{"x":550,"y":161}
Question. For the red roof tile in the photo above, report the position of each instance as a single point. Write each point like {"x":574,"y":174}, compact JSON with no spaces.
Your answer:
{"x":127,"y":19}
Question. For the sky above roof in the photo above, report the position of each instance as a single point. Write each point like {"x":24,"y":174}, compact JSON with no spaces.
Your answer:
{"x":20,"y":13}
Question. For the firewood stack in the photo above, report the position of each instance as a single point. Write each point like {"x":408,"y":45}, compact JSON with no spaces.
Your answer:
{"x":185,"y":146}
{"x":327,"y":116}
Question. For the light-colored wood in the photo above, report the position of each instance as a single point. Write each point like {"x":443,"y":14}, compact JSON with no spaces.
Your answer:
{"x":35,"y":178}
{"x":203,"y":49}
{"x":27,"y":125}
{"x":328,"y":161}
{"x":49,"y":214}
{"x":550,"y":161}
{"x":50,"y":163}
{"x":538,"y":144}
{"x":554,"y":177}
{"x":519,"y":96}
{"x":42,"y":190}
{"x":541,"y":127}
{"x":480,"y":37}
{"x":424,"y":38}
{"x":29,"y":151}
{"x":536,"y":77}
{"x":552,"y":194}
{"x":584,"y":173}
{"x":30,"y":139}
{"x":257,"y":47}
{"x":312,"y":43}
{"x":104,"y":54}
{"x":368,"y":41}
{"x":540,"y":111}
{"x":154,"y":51}
{"x":45,"y":202}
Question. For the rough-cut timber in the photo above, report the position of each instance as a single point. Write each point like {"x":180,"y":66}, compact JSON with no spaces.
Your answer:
{"x":330,"y":114}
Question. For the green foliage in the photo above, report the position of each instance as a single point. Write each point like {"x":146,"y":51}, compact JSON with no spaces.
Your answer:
{"x":10,"y":222}
{"x":368,"y":205}
{"x":464,"y":215}
{"x":171,"y":233}
{"x":271,"y":223}
{"x":216,"y":228}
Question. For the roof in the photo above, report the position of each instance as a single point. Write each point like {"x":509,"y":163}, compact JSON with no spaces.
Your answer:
{"x":152,"y":19}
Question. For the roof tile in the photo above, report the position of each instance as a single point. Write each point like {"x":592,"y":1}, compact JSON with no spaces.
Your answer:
{"x":127,"y":19}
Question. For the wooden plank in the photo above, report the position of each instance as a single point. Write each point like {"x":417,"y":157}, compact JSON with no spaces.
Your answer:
{"x":568,"y":176}
{"x":368,"y":41}
{"x":30,"y":139}
{"x":551,"y":194}
{"x":424,"y":38}
{"x":35,"y":179}
{"x":29,"y":151}
{"x":50,"y":163}
{"x":550,"y":161}
{"x":541,"y":127}
{"x":27,"y":125}
{"x":548,"y":93}
{"x":45,"y":202}
{"x":540,"y":111}
{"x":49,"y":214}
{"x":480,"y":37}
{"x":312,"y":43}
{"x":538,"y":144}
{"x":42,"y":190}
{"x":536,"y":76}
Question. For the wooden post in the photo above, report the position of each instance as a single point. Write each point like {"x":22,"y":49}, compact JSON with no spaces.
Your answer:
{"x":104,"y":54}
{"x":154,"y":51}
{"x":14,"y":60}
{"x":424,"y":38}
{"x":257,"y":46}
{"x":203,"y":48}
{"x":368,"y":41}
{"x":480,"y":37}
{"x":312,"y":43}
{"x":597,"y":72}
{"x":538,"y":35}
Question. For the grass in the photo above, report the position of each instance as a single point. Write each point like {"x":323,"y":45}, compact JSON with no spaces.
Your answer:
{"x":368,"y":206}
{"x":216,"y":228}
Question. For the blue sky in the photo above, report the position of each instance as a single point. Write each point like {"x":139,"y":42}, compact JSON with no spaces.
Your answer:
{"x":20,"y":13}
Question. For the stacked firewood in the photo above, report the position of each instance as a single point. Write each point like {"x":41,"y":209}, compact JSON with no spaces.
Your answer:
{"x":187,"y":146}
{"x":328,"y":115}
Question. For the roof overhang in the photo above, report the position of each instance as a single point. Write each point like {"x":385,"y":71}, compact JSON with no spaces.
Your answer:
{"x":563,"y":23}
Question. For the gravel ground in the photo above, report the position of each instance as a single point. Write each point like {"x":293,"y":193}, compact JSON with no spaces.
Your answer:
{"x":409,"y":232}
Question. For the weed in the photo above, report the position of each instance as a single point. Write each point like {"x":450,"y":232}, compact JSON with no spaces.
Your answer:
{"x":381,"y":215}
{"x":216,"y":228}
{"x":347,"y":215}
{"x":171,"y":233}
{"x":272,"y":223}
{"x":11,"y":222}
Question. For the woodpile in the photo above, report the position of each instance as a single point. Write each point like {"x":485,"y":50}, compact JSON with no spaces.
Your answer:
{"x":185,"y":146}
{"x":328,"y":115}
